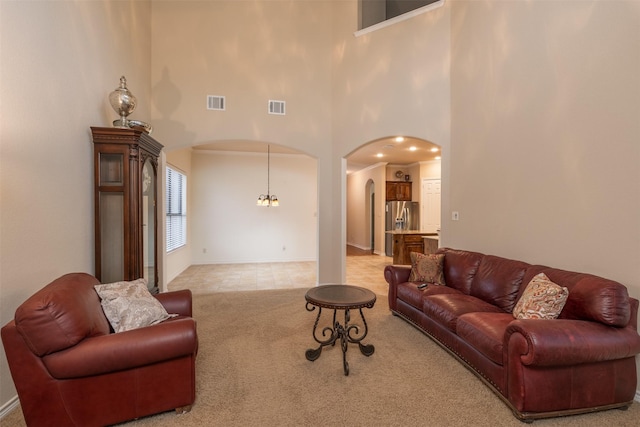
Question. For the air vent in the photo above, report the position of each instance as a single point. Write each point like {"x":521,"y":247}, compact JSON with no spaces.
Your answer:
{"x":276,"y":107}
{"x":215,"y":102}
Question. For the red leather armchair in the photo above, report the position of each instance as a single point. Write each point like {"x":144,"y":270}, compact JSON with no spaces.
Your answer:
{"x":70,"y":370}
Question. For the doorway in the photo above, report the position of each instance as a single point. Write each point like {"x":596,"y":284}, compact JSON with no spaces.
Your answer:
{"x":370,"y":214}
{"x":431,"y":196}
{"x":372,"y":217}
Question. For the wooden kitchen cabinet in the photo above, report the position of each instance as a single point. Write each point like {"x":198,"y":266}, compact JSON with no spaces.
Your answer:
{"x":431,"y":244}
{"x":398,"y":190}
{"x":125,"y":195}
{"x":404,"y":244}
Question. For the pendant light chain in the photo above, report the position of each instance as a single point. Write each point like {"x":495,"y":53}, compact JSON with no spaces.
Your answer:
{"x":268,"y":200}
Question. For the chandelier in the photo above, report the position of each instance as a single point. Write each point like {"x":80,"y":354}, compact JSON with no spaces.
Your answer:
{"x":268,"y":200}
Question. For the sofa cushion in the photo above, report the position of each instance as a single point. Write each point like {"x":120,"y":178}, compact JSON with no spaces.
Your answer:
{"x":485,"y":332}
{"x":409,"y":292}
{"x":446,"y":308}
{"x":498,"y":281}
{"x":129,"y":305}
{"x":460,"y":267}
{"x":602,"y":300}
{"x":542,"y":299}
{"x":61,"y":314}
{"x":427,"y":268}
{"x":591,"y":297}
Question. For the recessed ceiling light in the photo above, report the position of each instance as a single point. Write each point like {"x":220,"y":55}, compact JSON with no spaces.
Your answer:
{"x":412,"y":148}
{"x":438,"y":158}
{"x":379,"y":155}
{"x":399,"y":138}
{"x":434,"y":150}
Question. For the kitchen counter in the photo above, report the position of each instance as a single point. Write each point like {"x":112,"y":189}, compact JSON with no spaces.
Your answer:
{"x":422,"y":233}
{"x":405,"y":242}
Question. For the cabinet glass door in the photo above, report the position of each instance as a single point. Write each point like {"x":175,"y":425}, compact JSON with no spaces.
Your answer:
{"x":111,"y":202}
{"x":111,"y":236}
{"x":149,"y":224}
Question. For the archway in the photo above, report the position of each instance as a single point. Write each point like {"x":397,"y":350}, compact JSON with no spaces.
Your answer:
{"x":225,"y":179}
{"x":369,"y":168}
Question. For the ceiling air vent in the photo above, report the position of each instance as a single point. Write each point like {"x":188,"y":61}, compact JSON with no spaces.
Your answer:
{"x":215,"y":102}
{"x":276,"y":107}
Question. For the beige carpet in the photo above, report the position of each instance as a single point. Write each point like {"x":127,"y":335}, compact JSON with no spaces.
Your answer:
{"x":252,"y":371}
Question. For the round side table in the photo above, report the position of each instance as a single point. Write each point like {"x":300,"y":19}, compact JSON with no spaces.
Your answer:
{"x":340,"y":297}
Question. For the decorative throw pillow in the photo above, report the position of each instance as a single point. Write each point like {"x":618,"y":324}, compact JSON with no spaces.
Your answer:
{"x":130,"y":305}
{"x":541,"y":299}
{"x":427,"y":268}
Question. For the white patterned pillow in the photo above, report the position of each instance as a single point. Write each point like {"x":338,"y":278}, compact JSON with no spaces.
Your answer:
{"x":130,"y":305}
{"x":542,"y":299}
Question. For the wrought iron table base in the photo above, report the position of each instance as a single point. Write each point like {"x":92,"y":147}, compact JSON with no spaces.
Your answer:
{"x":345,"y":333}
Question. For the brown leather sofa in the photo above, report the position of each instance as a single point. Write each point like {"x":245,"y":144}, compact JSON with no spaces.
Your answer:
{"x":582,"y":361}
{"x":70,"y":369}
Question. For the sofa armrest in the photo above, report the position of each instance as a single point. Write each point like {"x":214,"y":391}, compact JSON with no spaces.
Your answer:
{"x":561,"y":342}
{"x":394,"y":275}
{"x":125,"y":350}
{"x":176,"y":302}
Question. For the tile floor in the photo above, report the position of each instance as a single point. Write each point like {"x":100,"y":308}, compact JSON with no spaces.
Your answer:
{"x":362,"y":270}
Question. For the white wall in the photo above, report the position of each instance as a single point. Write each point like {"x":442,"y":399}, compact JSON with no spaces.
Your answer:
{"x":226,"y":226}
{"x":60,"y":60}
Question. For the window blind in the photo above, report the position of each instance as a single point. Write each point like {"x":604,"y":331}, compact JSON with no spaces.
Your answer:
{"x":176,"y":198}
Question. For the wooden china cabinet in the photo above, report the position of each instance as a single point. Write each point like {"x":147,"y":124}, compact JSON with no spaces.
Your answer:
{"x":125,"y":194}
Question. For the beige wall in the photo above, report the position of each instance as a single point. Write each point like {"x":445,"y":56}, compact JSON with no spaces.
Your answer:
{"x":394,"y":81}
{"x":251,"y":52}
{"x":545,"y":134}
{"x":59,"y":61}
{"x":431,"y":169}
{"x":358,"y":209}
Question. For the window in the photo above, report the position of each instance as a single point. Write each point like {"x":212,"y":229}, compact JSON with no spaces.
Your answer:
{"x":176,"y":209}
{"x":374,"y":14}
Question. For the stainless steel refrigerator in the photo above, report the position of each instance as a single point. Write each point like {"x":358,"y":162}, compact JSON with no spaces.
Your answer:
{"x":400,"y":216}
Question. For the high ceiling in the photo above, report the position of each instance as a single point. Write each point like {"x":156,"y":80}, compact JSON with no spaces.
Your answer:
{"x":384,"y":150}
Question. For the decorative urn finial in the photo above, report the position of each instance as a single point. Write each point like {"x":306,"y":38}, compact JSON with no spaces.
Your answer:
{"x":123,"y":102}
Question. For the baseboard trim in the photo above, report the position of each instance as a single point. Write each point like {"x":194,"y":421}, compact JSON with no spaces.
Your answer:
{"x":637,"y":398}
{"x":355,"y":245}
{"x":9,"y":406}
